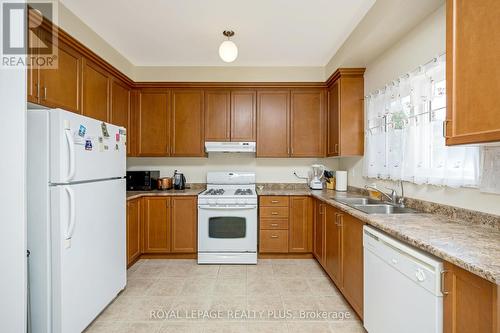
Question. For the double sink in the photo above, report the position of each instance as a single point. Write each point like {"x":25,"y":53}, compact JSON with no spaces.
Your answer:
{"x":372,"y":206}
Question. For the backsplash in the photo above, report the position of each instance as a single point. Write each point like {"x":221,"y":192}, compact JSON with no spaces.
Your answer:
{"x":267,"y":170}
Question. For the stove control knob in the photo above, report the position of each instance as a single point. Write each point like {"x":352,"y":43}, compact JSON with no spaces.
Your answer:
{"x":212,"y":201}
{"x":241,"y":201}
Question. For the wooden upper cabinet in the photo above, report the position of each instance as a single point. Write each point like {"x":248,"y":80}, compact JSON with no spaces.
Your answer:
{"x":300,"y":224}
{"x":307,"y":122}
{"x":273,"y":119}
{"x":184,"y":224}
{"x":187,"y":123}
{"x":472,"y":71}
{"x":61,"y":87}
{"x":230,"y":115}
{"x":345,"y":135}
{"x":95,"y":96}
{"x":333,"y":119}
{"x":352,"y":261}
{"x":152,"y":123}
{"x":243,"y":115}
{"x":120,"y":108}
{"x":333,"y":245}
{"x":471,"y":302}
{"x":134,"y":244}
{"x":156,"y":220}
{"x":217,"y":115}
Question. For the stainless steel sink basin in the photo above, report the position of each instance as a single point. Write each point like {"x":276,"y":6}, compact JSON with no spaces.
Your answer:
{"x":383,"y":209}
{"x":356,"y":201}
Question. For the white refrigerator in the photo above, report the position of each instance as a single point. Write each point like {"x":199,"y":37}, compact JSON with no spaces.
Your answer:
{"x":76,"y":218}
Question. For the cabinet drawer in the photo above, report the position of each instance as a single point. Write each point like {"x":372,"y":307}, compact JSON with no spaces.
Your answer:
{"x":274,"y":212}
{"x":274,"y":224}
{"x":274,"y":201}
{"x":274,"y":241}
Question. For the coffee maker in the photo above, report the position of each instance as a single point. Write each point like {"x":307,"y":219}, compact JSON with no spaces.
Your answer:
{"x":179,"y":181}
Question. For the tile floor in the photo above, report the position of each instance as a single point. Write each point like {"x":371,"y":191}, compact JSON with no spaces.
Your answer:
{"x":164,"y":296}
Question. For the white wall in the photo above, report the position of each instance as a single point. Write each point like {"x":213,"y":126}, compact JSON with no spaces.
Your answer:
{"x":419,"y":46}
{"x":13,"y":199}
{"x":268,"y":170}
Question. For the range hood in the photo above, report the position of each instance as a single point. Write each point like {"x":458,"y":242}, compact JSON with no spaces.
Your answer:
{"x":230,"y":147}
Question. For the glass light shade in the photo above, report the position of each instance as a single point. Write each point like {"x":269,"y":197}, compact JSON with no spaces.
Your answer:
{"x":228,"y":51}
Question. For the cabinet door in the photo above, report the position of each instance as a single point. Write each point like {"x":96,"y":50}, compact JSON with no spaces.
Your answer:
{"x":351,"y":120}
{"x":473,"y":71}
{"x":333,"y":119}
{"x":217,"y":115}
{"x":133,"y":230}
{"x":307,"y":123}
{"x":184,"y":224}
{"x":319,"y":232}
{"x":471,"y":302}
{"x":300,"y":224}
{"x":120,"y":104}
{"x":333,"y":246}
{"x":152,"y":123}
{"x":352,"y":261}
{"x":95,"y":96}
{"x":156,"y":217}
{"x":243,"y":115}
{"x":60,"y":88}
{"x":33,"y":73}
{"x":273,"y":120}
{"x":187,"y":123}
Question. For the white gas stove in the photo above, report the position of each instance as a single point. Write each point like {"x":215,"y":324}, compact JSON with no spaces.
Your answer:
{"x":227,"y":219}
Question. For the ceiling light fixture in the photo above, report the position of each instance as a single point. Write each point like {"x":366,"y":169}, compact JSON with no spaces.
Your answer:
{"x":228,"y":51}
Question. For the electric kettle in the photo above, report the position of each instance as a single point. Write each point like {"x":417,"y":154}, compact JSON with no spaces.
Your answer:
{"x":179,"y":181}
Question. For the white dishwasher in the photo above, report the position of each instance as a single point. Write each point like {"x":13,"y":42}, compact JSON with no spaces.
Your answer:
{"x":402,"y":287}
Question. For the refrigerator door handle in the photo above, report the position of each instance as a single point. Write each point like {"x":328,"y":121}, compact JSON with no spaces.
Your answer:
{"x":72,"y":214}
{"x":71,"y":146}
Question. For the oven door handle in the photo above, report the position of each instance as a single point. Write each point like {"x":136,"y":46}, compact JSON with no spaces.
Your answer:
{"x":227,"y":208}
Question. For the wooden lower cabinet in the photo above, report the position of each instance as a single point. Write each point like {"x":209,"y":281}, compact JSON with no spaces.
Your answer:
{"x":134,"y":239}
{"x":319,"y":232}
{"x":338,"y":246}
{"x":161,"y":225}
{"x":352,"y":261}
{"x":333,"y":245}
{"x":471,"y":302}
{"x":184,"y":224}
{"x":156,"y":220}
{"x":300,"y":224}
{"x":285,"y":224}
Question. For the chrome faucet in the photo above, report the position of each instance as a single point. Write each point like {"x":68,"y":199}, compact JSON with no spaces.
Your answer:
{"x":393,"y":198}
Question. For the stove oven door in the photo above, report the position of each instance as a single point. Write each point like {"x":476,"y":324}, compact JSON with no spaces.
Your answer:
{"x":227,"y":229}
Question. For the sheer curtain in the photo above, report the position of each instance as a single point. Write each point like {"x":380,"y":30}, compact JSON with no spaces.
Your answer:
{"x":404,"y":135}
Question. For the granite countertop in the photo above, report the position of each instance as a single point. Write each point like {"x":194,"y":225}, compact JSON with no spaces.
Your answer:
{"x":471,"y":246}
{"x":189,"y":191}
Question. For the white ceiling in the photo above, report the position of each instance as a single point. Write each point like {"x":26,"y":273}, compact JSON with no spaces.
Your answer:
{"x":189,"y":32}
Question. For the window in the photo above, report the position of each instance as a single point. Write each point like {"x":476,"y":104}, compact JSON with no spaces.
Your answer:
{"x":404,"y":133}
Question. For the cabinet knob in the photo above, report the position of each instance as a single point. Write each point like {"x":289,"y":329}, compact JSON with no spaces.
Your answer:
{"x":274,"y":236}
{"x":274,"y":224}
{"x":274,"y":213}
{"x":274,"y":201}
